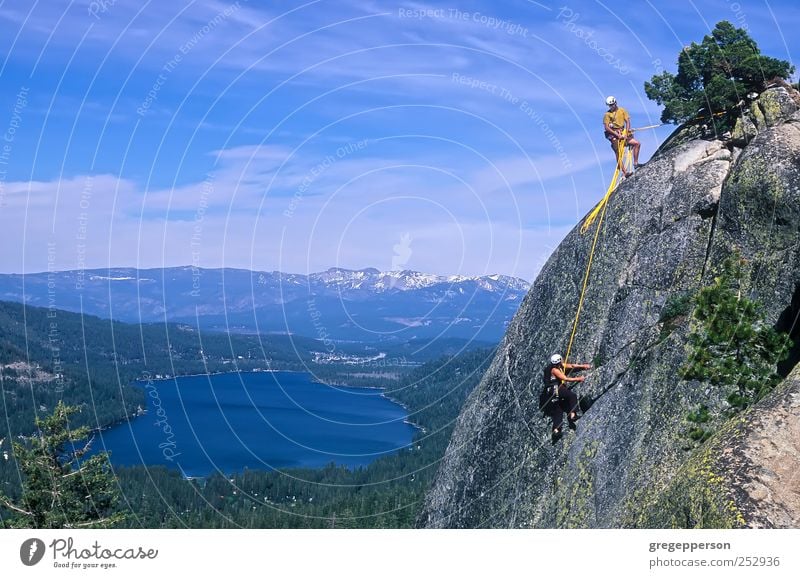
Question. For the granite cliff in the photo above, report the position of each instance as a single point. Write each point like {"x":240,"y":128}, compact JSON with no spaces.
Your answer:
{"x":666,"y":234}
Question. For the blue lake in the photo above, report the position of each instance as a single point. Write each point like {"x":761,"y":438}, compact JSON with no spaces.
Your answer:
{"x":232,"y":421}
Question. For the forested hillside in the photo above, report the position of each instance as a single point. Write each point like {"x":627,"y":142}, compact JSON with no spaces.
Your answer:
{"x":47,"y":355}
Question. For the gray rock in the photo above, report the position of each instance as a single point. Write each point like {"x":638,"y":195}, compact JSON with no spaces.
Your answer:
{"x":660,"y":238}
{"x":775,"y":105}
{"x":743,"y":131}
{"x":745,"y":476}
{"x":772,"y":107}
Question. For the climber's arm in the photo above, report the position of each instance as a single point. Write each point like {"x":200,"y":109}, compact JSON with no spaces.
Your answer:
{"x":563,"y":377}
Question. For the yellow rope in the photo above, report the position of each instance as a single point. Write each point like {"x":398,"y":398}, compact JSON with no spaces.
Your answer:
{"x":623,"y":159}
{"x":601,"y":210}
{"x":601,"y":205}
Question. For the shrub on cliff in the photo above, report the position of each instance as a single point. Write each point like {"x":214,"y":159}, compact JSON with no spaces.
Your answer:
{"x":731,"y":344}
{"x":714,"y":76}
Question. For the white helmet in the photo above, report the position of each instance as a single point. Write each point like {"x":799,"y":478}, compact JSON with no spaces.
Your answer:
{"x":556,"y":359}
{"x":610,"y":101}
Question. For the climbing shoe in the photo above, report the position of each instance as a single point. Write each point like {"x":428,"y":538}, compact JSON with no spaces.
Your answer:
{"x":572,"y":425}
{"x":556,"y":436}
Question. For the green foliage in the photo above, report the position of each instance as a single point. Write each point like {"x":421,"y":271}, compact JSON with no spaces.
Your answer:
{"x":697,"y":432}
{"x":714,"y":76}
{"x":676,"y":309}
{"x":677,"y":305}
{"x":731,"y":345}
{"x":700,"y":415}
{"x":60,"y":490}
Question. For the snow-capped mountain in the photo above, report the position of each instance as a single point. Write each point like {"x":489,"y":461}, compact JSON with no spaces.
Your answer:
{"x":365,"y":304}
{"x":406,"y":280}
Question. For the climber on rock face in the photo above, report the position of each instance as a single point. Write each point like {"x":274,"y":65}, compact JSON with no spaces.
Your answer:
{"x":617,"y":126}
{"x":556,"y":398}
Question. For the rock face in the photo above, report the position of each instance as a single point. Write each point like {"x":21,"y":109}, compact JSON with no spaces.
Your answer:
{"x":746,"y":475}
{"x":665,"y":235}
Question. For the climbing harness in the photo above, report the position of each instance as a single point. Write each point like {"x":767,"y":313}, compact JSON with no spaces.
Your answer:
{"x":549,"y":392}
{"x":624,"y":155}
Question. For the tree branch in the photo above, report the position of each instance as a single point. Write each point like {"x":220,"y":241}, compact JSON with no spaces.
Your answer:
{"x":93,"y":522}
{"x":11,"y":506}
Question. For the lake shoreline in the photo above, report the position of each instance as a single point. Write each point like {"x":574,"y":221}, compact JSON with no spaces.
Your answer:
{"x":332,"y":423}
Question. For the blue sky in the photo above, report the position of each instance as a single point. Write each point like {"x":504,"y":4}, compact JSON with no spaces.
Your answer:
{"x":303,"y":135}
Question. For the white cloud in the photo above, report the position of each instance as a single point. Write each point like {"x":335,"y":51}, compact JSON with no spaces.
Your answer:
{"x":353,"y":213}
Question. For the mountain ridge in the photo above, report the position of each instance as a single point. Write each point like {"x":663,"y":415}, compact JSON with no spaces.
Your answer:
{"x":365,"y":304}
{"x":317,"y":274}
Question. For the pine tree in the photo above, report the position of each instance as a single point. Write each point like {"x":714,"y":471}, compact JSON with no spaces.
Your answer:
{"x":714,"y":76}
{"x":731,"y":345}
{"x":60,"y":489}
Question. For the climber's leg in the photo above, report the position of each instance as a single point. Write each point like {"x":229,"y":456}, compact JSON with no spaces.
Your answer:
{"x":569,"y":402}
{"x":557,"y":415}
